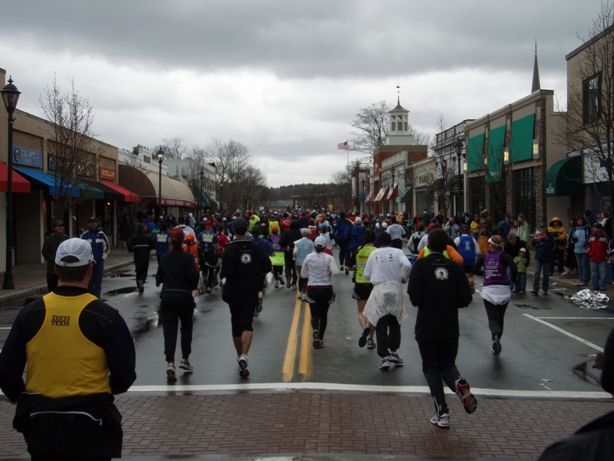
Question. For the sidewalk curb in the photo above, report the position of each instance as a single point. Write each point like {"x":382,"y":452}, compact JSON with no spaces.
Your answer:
{"x":39,"y":290}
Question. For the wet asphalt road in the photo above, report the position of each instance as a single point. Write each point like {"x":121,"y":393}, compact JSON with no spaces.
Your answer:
{"x":545,"y":339}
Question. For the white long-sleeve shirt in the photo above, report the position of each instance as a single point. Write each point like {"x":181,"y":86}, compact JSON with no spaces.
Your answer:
{"x":318,"y":268}
{"x":387,"y":265}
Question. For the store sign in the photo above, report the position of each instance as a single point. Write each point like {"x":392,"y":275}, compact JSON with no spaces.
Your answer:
{"x":174,"y":202}
{"x":107,"y":174}
{"x":27,"y":157}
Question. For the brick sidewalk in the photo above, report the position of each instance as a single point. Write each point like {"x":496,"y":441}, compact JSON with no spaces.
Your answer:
{"x":309,"y":422}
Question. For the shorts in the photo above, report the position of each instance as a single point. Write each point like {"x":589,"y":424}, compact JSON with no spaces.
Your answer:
{"x":241,"y":318}
{"x":362,"y":291}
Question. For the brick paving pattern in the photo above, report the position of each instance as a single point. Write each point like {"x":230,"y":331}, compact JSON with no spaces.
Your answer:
{"x":358,"y":423}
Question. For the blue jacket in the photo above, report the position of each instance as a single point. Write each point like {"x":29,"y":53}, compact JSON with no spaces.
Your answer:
{"x":99,"y":243}
{"x":356,"y":232}
{"x":341,"y":230}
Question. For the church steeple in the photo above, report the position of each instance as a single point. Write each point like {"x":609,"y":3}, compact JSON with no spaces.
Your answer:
{"x":536,"y":85}
{"x":399,"y":132}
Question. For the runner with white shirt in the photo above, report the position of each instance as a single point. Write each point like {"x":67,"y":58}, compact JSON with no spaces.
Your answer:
{"x":387,"y":268}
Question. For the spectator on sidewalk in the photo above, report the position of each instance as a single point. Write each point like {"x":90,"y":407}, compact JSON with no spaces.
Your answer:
{"x":79,"y":353}
{"x":581,"y":234}
{"x":438,"y":287}
{"x":543,"y":242}
{"x":597,"y":250}
{"x":521,"y":279}
{"x":570,"y":257}
{"x":100,"y":248}
{"x":244,"y":267}
{"x":594,"y":441}
{"x":50,"y":246}
{"x":523,"y":228}
{"x":387,"y":268}
{"x":560,"y":239}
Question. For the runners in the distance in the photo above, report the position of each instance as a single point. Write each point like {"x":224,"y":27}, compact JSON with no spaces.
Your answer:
{"x":438,"y":287}
{"x":387,"y":268}
{"x":244,"y":266}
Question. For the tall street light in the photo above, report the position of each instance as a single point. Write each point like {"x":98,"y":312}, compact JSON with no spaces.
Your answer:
{"x":362,"y":195}
{"x":392,"y":211}
{"x":458,"y":147}
{"x":202,"y":181}
{"x":160,"y":157}
{"x":10,"y":96}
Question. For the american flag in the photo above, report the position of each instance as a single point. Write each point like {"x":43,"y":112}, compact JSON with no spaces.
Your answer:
{"x":342,"y":145}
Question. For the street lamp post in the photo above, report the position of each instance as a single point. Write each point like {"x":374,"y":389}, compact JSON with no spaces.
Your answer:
{"x":362,"y":195}
{"x":458,"y":147}
{"x":160,"y":157}
{"x":392,"y":204}
{"x":10,"y":96}
{"x":202,"y":181}
{"x":222,"y":198}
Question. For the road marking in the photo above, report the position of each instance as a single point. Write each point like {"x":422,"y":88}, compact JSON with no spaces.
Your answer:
{"x":290,"y":357}
{"x":576,"y":318}
{"x":560,"y":330}
{"x":333,"y":387}
{"x":5,"y":328}
{"x":305,"y":365}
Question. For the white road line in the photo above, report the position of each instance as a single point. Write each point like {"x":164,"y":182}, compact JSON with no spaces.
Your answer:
{"x":576,"y":318}
{"x":225,"y":388}
{"x":560,"y":330}
{"x":5,"y":328}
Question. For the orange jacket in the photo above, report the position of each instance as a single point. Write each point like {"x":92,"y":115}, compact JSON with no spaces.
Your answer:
{"x":452,"y":254}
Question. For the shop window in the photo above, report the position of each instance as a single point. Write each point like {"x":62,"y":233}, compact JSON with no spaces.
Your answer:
{"x":591,"y":96}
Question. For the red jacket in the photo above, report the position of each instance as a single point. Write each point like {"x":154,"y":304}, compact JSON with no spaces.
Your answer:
{"x":597,"y":247}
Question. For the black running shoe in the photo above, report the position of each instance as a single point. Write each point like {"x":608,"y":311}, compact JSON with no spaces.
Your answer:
{"x":362,"y":341}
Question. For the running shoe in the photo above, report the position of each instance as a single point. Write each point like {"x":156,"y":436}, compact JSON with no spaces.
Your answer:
{"x":170,"y":372}
{"x":186,"y":365}
{"x":141,"y":287}
{"x":470,"y":403}
{"x":208,"y":290}
{"x":496,"y":345}
{"x":534,"y":292}
{"x":385,"y":365}
{"x":394,"y":358}
{"x":293,"y":286}
{"x":259,"y":306}
{"x":545,"y":293}
{"x":276,"y":283}
{"x":441,"y":420}
{"x":370,"y":343}
{"x":362,"y":341}
{"x":243,"y":371}
{"x":317,"y":342}
{"x":287,"y":283}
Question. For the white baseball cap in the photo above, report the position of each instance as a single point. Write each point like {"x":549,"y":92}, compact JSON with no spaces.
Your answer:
{"x":75,"y":248}
{"x":320,"y":241}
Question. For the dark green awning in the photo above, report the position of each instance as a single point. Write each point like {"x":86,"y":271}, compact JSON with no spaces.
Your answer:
{"x":565,"y":178}
{"x":405,"y":195}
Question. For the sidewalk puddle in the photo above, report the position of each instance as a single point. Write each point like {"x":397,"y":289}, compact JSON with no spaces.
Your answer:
{"x":528,"y":306}
{"x":587,"y":373}
{"x":121,"y":291}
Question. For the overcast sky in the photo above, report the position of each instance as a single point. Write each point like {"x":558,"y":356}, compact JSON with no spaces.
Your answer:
{"x":284,"y":78}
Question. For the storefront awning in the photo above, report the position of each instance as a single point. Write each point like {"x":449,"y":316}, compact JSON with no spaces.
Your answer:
{"x":53,"y":184}
{"x":88,"y":190}
{"x":128,"y":195}
{"x":405,"y":195}
{"x":369,"y":197}
{"x":20,"y":184}
{"x":380,"y":195}
{"x":109,"y":194}
{"x":201,"y":197}
{"x":174,"y":191}
{"x":564,"y":178}
{"x":393,"y":193}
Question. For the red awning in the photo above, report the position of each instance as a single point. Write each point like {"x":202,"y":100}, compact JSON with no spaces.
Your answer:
{"x":129,"y":196}
{"x":369,"y":197}
{"x":381,"y":194}
{"x":393,"y":193}
{"x":20,"y":184}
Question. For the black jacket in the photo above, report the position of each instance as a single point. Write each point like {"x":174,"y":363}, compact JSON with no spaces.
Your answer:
{"x":178,"y":275}
{"x":438,"y":287}
{"x":140,"y":245}
{"x":244,"y":266}
{"x":50,"y":247}
{"x":593,"y":442}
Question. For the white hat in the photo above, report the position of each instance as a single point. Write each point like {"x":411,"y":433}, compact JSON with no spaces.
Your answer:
{"x":77,"y":248}
{"x":320,"y":241}
{"x":358,"y":220}
{"x":524,"y":250}
{"x":384,"y":225}
{"x":305,"y":232}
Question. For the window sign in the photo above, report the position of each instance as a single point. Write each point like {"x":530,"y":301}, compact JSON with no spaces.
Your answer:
{"x":27,"y":157}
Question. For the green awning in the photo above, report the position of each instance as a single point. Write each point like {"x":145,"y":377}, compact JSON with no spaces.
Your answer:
{"x":565,"y":178}
{"x":200,"y":196}
{"x":405,"y":195}
{"x":522,"y":139}
{"x":88,"y":190}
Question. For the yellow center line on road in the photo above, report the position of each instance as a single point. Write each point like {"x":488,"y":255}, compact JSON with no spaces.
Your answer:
{"x":305,"y":364}
{"x":290,"y":357}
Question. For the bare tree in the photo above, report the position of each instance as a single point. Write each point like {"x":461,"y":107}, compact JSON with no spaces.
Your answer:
{"x":590,"y":102}
{"x":372,"y":125}
{"x":174,"y":148}
{"x":71,"y":145}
